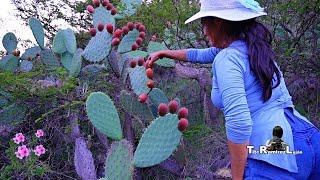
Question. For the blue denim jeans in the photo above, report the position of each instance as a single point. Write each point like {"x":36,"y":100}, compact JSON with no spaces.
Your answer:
{"x":307,"y":139}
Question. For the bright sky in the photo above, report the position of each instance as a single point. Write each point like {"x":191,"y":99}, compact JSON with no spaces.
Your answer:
{"x":10,"y":23}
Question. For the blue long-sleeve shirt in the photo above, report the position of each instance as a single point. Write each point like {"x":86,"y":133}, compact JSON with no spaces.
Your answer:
{"x":238,"y":93}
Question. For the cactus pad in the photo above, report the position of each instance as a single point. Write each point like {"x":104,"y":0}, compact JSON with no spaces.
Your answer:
{"x":98,"y":47}
{"x":127,"y":41}
{"x":9,"y":63}
{"x":103,"y":115}
{"x":31,"y":53}
{"x":157,"y":96}
{"x":119,"y":161}
{"x":49,"y":58}
{"x":37,"y":30}
{"x":26,"y":66}
{"x":9,"y":42}
{"x":138,"y":80}
{"x":158,"y":142}
{"x":102,"y":15}
{"x":136,"y":54}
{"x":155,"y":46}
{"x":65,"y":40}
{"x":76,"y":62}
{"x":66,"y":59}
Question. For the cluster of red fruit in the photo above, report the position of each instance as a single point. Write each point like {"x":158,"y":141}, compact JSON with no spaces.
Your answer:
{"x":105,"y":3}
{"x":125,"y":30}
{"x":149,"y":72}
{"x":172,"y":107}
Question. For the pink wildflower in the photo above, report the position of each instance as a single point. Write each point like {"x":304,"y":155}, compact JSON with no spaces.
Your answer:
{"x":39,"y":150}
{"x":39,"y":133}
{"x":22,"y":152}
{"x":19,"y":138}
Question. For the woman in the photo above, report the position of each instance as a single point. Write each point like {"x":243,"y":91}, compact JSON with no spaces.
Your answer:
{"x":249,"y":88}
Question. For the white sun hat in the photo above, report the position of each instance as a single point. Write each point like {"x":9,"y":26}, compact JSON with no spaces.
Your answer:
{"x":232,"y":10}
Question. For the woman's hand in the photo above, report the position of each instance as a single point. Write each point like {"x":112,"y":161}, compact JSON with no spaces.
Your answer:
{"x":154,"y":57}
{"x":179,"y":55}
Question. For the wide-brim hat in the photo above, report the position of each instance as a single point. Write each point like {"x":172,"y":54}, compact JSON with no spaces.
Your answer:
{"x":232,"y":10}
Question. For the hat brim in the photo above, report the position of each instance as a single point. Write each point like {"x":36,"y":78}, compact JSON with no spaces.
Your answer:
{"x":227,"y":14}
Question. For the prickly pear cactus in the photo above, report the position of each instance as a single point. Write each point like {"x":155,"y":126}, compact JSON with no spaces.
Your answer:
{"x":138,"y":80}
{"x":83,"y":161}
{"x":26,"y":66}
{"x":103,"y":115}
{"x":9,"y":42}
{"x":64,"y":41}
{"x":9,"y":63}
{"x":37,"y":30}
{"x":49,"y":58}
{"x":119,"y":161}
{"x":136,"y":54}
{"x":158,"y":142}
{"x":155,"y":46}
{"x":76,"y":62}
{"x":127,"y":41}
{"x":134,"y":107}
{"x":157,"y":96}
{"x":98,"y":47}
{"x":31,"y":53}
{"x":102,"y":15}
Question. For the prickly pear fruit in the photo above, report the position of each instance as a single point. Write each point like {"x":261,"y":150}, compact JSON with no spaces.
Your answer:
{"x":137,"y":25}
{"x":105,"y":3}
{"x":150,"y":84}
{"x":133,"y":63}
{"x":149,"y":73}
{"x":93,"y":32}
{"x":182,"y":113}
{"x":117,"y":33}
{"x":140,"y":62}
{"x":109,"y":6}
{"x":142,"y":28}
{"x":100,"y":27}
{"x":142,"y":35}
{"x":183,"y":124}
{"x":130,"y":25}
{"x":90,"y":9}
{"x":114,"y":11}
{"x":173,"y":106}
{"x":143,"y":98}
{"x":134,"y":47}
{"x":109,"y":28}
{"x":125,"y":30}
{"x":115,"y":42}
{"x":16,"y":53}
{"x":162,"y":109}
{"x":96,"y":3}
{"x":139,"y":41}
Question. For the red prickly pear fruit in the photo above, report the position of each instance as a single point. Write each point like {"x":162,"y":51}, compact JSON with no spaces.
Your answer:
{"x":117,"y":33}
{"x":114,"y":11}
{"x":130,"y":26}
{"x":96,"y":3}
{"x":173,"y":106}
{"x":109,"y":6}
{"x":140,"y":62}
{"x":139,"y":41}
{"x":148,"y":65}
{"x":93,"y":32}
{"x":137,"y":25}
{"x":109,"y":28}
{"x":150,"y":84}
{"x":143,"y":98}
{"x":183,"y":124}
{"x":133,"y":63}
{"x":105,"y":3}
{"x":134,"y":47}
{"x":115,"y":42}
{"x":142,"y":35}
{"x":149,"y":73}
{"x":162,"y":109}
{"x":142,"y":28}
{"x":90,"y":9}
{"x":182,"y":113}
{"x":125,"y":30}
{"x":100,"y":27}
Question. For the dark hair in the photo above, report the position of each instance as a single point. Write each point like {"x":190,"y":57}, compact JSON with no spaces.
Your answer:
{"x":277,"y":131}
{"x":258,"y":39}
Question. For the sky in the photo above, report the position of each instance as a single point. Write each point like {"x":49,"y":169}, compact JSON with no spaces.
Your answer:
{"x":10,"y":23}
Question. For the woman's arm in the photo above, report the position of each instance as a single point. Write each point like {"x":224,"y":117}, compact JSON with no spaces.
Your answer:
{"x":202,"y":56}
{"x":230,"y":74}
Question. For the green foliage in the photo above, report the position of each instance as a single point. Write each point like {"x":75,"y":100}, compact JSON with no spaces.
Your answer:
{"x":37,"y":30}
{"x":9,"y":42}
{"x":13,"y":114}
{"x":119,"y":161}
{"x":103,"y":115}
{"x":98,"y":47}
{"x":158,"y":142}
